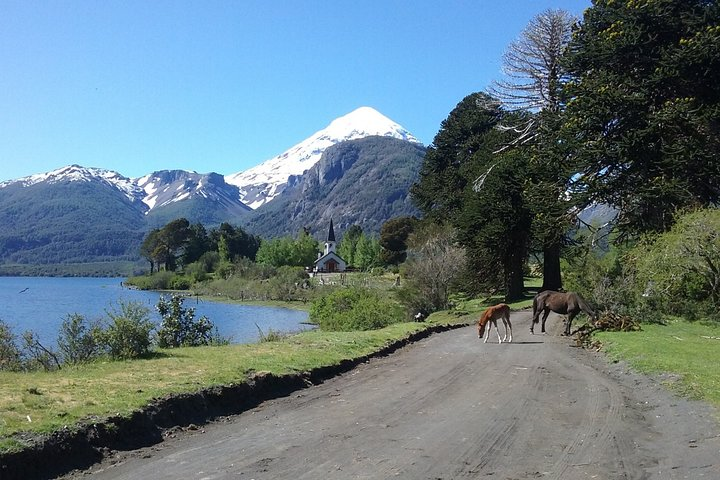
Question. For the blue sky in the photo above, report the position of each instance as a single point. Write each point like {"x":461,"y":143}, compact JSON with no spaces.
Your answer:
{"x":140,"y":86}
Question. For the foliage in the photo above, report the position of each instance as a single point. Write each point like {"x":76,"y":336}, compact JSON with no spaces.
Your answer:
{"x":354,"y":308}
{"x":79,"y":340}
{"x":10,"y":355}
{"x":38,"y":356}
{"x":179,"y":328}
{"x":127,"y":335}
{"x":435,"y":263}
{"x":645,"y":108}
{"x":348,"y":244}
{"x":233,"y":242}
{"x":600,"y":277}
{"x":156,"y":281}
{"x":178,"y":240}
{"x":300,"y":252}
{"x":367,"y":253}
{"x":393,"y":239}
{"x":466,"y":183}
{"x":680,"y":270}
{"x":443,"y":174}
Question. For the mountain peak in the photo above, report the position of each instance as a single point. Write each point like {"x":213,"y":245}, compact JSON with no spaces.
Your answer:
{"x":262,"y":183}
{"x":78,"y":173}
{"x":365,"y":122}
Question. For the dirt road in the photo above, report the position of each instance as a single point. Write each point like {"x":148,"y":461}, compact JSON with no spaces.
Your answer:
{"x":452,"y":407}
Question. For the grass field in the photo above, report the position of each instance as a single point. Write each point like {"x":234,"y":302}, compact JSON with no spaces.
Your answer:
{"x":686,"y":354}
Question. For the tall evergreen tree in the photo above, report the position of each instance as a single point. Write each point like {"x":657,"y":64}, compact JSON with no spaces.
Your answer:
{"x":534,"y":77}
{"x":466,"y":183}
{"x":645,"y":107}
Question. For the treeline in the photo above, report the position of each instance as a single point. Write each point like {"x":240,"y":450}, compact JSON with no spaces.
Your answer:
{"x":181,"y":255}
{"x":618,"y":108}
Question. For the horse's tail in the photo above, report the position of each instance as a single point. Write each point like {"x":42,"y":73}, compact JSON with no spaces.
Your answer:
{"x":535,"y":309}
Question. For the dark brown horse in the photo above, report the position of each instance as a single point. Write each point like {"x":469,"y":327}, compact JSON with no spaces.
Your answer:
{"x":564,"y":303}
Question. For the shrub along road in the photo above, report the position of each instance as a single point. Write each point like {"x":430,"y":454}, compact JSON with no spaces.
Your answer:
{"x":447,"y":407}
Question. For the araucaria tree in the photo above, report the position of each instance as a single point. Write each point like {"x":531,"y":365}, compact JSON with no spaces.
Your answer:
{"x":466,"y":183}
{"x":644,"y":107}
{"x":532,"y":87}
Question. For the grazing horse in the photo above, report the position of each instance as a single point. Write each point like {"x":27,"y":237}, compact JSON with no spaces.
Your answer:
{"x":491,"y":315}
{"x":564,"y":303}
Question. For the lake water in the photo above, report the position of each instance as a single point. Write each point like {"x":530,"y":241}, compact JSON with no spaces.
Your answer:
{"x":41,"y":304}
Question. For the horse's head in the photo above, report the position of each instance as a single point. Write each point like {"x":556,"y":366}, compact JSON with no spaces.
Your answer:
{"x":481,"y":329}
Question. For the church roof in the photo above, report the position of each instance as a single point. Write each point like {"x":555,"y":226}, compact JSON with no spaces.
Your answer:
{"x":331,"y":233}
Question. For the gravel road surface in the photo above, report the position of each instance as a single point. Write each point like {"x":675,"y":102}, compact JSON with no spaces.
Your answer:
{"x":452,"y":407}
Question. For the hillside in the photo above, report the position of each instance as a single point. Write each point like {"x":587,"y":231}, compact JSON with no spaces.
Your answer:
{"x":68,"y":222}
{"x":363,"y":182}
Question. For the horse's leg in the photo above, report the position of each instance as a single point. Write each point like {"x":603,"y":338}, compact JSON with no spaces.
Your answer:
{"x":535,"y":319}
{"x":546,"y":312}
{"x":508,"y":326}
{"x":487,"y":331}
{"x":571,"y":315}
{"x":497,"y":331}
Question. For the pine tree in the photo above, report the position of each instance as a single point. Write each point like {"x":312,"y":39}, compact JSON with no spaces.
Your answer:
{"x":645,"y":107}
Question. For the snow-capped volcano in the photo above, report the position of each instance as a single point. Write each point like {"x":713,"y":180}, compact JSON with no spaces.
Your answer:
{"x":262,"y":183}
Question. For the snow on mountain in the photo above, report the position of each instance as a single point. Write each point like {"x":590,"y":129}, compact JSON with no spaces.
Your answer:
{"x":169,"y":186}
{"x":77,"y":173}
{"x":262,"y":183}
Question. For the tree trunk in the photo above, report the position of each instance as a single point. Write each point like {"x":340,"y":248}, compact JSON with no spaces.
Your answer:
{"x":551,"y":268}
{"x":515,"y":278}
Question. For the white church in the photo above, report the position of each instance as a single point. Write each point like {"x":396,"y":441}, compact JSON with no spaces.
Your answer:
{"x":329,"y":261}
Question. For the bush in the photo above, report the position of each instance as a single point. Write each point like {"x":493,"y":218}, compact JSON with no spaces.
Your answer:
{"x":79,"y":340}
{"x":354,"y":308}
{"x":128,"y":334}
{"x":180,"y":282}
{"x":179,"y":328}
{"x":10,"y":356}
{"x":156,"y":281}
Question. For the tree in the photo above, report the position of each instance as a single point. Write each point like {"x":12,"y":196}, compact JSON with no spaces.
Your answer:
{"x":533,"y":84}
{"x":393,"y":239}
{"x":435,"y":263}
{"x":348,"y":244}
{"x":367,"y":253}
{"x":238,"y":242}
{"x":149,"y":246}
{"x":174,"y":238}
{"x":495,"y":226}
{"x":278,"y":252}
{"x":197,"y":244}
{"x":681,"y":268}
{"x":443,"y":173}
{"x":484,"y":182}
{"x":645,"y":107}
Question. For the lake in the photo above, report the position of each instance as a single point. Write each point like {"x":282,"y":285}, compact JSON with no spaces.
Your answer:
{"x":41,"y":304}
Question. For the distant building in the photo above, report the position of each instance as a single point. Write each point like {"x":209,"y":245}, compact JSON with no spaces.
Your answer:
{"x":329,"y":261}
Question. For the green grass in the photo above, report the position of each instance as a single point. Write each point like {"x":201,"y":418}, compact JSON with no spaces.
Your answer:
{"x":56,"y":399}
{"x":687,"y":354}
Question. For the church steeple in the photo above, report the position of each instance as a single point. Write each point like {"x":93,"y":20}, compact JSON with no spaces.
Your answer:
{"x":331,"y":233}
{"x":330,"y":242}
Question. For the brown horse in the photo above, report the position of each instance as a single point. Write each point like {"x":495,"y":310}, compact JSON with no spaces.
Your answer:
{"x":564,"y":303}
{"x":491,"y":315}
